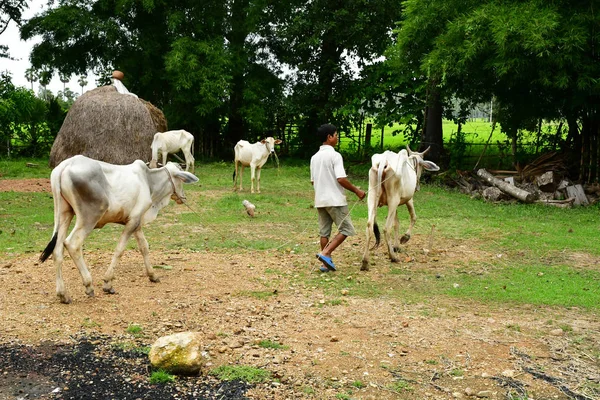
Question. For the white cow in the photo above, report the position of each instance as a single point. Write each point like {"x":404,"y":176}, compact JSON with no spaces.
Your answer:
{"x":171,"y":142}
{"x":99,"y":193}
{"x":393,"y":180}
{"x":254,"y":155}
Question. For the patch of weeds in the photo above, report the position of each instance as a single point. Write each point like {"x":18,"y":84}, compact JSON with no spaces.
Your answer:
{"x":457,"y":372}
{"x":88,"y":323}
{"x":135,"y":330}
{"x":260,"y":295}
{"x":566,"y":328}
{"x":241,"y":372}
{"x":269,"y":344}
{"x":161,"y":376}
{"x":431,"y":362}
{"x":358,"y":384}
{"x":131,"y":347}
{"x":513,"y":327}
{"x":334,"y":302}
{"x":400,"y":386}
{"x":344,"y":353}
{"x":308,"y":390}
{"x":343,"y":396}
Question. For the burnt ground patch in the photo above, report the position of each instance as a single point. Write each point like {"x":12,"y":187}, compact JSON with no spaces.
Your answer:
{"x":97,"y":368}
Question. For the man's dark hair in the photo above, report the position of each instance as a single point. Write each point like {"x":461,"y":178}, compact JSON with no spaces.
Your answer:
{"x":324,"y":131}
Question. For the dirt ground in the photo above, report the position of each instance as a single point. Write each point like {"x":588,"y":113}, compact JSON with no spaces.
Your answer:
{"x":357,"y":348}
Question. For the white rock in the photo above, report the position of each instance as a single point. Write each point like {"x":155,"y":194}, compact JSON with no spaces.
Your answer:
{"x":180,"y":353}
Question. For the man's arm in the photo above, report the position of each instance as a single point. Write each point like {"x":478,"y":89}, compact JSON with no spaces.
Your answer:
{"x":346,"y":184}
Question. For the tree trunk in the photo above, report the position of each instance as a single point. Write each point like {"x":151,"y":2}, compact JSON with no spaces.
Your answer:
{"x":237,"y":39}
{"x":434,"y":135}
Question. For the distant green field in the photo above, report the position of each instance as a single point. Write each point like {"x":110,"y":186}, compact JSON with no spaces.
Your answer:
{"x":464,"y":151}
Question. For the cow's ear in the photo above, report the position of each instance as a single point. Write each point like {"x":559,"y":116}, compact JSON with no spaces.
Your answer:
{"x":186,"y":177}
{"x":429,"y":166}
{"x":278,"y":141}
{"x":263,"y":141}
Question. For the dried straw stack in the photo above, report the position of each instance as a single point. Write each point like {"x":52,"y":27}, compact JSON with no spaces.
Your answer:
{"x":108,"y":126}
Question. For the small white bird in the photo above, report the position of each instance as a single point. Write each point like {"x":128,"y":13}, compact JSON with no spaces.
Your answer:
{"x":249,"y":207}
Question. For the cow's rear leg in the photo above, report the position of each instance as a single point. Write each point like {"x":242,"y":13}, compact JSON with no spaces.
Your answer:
{"x":413,"y":219}
{"x":387,"y":230}
{"x":109,"y":275}
{"x":365,"y":258}
{"x":74,"y":244}
{"x":58,"y":254}
{"x":143,"y":246}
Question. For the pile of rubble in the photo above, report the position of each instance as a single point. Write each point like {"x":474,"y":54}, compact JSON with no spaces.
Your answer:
{"x":542,"y":181}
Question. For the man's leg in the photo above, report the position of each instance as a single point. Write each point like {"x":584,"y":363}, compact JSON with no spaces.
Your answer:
{"x":327,"y":247}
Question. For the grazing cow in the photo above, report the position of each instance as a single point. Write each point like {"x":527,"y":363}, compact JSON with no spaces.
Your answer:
{"x":171,"y":142}
{"x":254,"y":155}
{"x":393,"y":180}
{"x":99,"y":193}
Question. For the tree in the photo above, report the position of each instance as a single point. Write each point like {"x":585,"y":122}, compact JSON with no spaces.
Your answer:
{"x":10,"y":10}
{"x":326,"y":42}
{"x":538,"y":60}
{"x":82,"y":82}
{"x":188,"y":58}
{"x":31,"y":75}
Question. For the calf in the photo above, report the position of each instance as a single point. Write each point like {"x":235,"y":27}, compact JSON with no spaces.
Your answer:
{"x":171,"y":142}
{"x":98,"y":193}
{"x":254,"y":155}
{"x":393,"y":180}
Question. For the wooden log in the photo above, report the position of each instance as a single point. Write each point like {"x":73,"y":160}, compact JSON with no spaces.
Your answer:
{"x":514,"y":191}
{"x":577,"y":192}
{"x":568,"y":203}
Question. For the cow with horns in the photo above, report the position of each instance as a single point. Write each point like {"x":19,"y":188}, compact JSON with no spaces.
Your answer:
{"x":254,"y":155}
{"x":99,"y":193}
{"x":393,"y":180}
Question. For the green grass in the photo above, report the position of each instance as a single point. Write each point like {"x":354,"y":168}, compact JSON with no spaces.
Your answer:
{"x":558,"y":286}
{"x":241,"y":373}
{"x":161,"y":377}
{"x":269,"y":344}
{"x":24,"y":168}
{"x":135,"y":330}
{"x":521,"y":240}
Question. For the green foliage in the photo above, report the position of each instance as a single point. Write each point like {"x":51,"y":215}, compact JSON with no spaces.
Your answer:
{"x":241,"y":373}
{"x":269,"y":344}
{"x":161,"y":377}
{"x":135,"y":330}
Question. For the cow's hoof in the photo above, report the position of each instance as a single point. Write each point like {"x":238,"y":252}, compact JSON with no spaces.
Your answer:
{"x":90,"y":292}
{"x":109,"y":290}
{"x":154,"y":279}
{"x":404,"y":239}
{"x":64,"y":298}
{"x":365,"y":266}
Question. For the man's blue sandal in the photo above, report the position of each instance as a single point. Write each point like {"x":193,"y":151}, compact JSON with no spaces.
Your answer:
{"x":322,"y":268}
{"x":327,"y":261}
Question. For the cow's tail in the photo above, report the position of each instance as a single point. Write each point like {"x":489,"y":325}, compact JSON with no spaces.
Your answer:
{"x":380,"y":169}
{"x":49,"y":249}
{"x":55,"y":183}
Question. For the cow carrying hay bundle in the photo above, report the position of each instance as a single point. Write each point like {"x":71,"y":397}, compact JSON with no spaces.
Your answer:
{"x":108,"y":126}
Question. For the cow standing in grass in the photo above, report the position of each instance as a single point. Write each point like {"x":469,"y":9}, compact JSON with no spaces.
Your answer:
{"x":171,"y":142}
{"x":393,"y":180}
{"x":254,"y":155}
{"x":99,"y":193}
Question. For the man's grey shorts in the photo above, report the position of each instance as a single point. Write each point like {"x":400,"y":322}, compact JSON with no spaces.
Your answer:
{"x":339,"y":215}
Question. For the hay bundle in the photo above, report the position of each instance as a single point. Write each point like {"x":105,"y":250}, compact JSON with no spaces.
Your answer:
{"x":108,"y":126}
